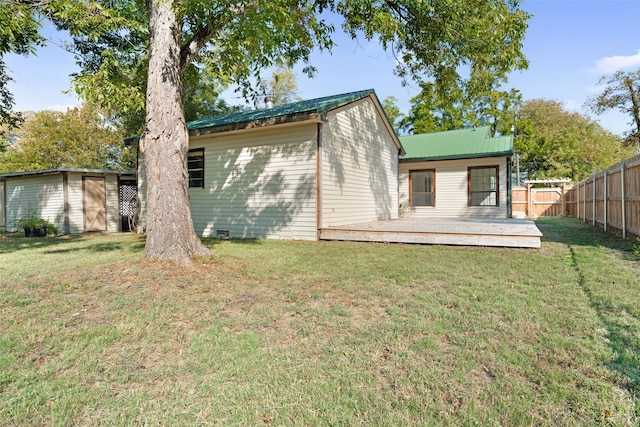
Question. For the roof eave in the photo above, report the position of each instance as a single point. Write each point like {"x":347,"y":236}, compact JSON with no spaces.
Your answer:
{"x":456,"y":157}
{"x":387,"y":123}
{"x":311,"y":117}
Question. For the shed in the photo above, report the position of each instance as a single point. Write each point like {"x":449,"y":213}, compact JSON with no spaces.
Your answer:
{"x":456,"y":174}
{"x":288,"y":171}
{"x":74,"y":200}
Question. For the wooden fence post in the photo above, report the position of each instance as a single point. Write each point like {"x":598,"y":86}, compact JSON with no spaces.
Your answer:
{"x":529,"y":203}
{"x":624,"y":205}
{"x":564,"y":200}
{"x":584,"y":212}
{"x":577,"y":191}
{"x":593,"y":202}
{"x":606,"y":201}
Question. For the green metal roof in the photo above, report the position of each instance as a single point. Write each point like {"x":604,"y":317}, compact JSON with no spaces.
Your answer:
{"x":317,"y":105}
{"x":303,"y":109}
{"x":456,"y":144}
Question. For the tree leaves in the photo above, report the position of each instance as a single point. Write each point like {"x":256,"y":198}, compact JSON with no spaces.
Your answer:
{"x":78,"y":138}
{"x":449,"y":107}
{"x":554,"y":143}
{"x":18,"y":34}
{"x":621,"y":92}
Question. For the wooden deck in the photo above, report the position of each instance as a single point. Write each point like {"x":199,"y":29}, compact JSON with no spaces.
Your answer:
{"x":514,"y":233}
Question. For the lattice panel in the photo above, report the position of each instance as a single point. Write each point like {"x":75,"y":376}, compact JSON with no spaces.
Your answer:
{"x":128,"y":202}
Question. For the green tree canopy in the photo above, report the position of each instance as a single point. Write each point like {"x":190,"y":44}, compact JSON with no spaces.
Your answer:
{"x":222,"y":45}
{"x":77,"y":138}
{"x":622,"y":93}
{"x":390,"y":106}
{"x":283,"y":87}
{"x":554,"y":143}
{"x":435,"y":109}
{"x":18,"y":34}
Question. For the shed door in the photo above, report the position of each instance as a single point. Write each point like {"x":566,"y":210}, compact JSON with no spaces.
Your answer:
{"x":95,"y":211}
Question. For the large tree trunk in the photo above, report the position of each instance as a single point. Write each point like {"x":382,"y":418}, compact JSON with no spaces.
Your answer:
{"x":165,"y":143}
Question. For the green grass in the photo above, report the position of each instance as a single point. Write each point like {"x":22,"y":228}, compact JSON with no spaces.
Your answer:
{"x":328,"y":333}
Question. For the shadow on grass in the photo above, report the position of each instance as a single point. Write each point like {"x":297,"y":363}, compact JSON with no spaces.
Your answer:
{"x":13,"y":242}
{"x":98,"y":248}
{"x":622,"y":324}
{"x":211,"y":242}
{"x":574,"y":232}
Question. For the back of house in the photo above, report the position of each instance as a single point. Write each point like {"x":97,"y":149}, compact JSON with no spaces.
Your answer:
{"x":287,"y":171}
{"x":456,"y":174}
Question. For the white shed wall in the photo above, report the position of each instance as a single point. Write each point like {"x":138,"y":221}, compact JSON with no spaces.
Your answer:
{"x":43,"y":193}
{"x":258,"y":184}
{"x":452,"y":191}
{"x":76,"y":208}
{"x":359,"y":175}
{"x":112,"y":200}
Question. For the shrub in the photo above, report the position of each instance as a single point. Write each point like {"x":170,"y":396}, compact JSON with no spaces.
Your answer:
{"x":31,"y":221}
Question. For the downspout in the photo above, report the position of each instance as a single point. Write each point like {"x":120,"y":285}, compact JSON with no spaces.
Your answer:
{"x":509,"y":189}
{"x":318,"y":180}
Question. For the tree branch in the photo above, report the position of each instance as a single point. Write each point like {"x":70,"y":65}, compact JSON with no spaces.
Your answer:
{"x":203,"y":34}
{"x":193,"y":46}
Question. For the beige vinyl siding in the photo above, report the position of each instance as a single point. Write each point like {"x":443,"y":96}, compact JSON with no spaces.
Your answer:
{"x":112,"y":195}
{"x":43,"y":193}
{"x":258,"y":184}
{"x":451,"y":190}
{"x":359,"y":174}
{"x":76,"y":210}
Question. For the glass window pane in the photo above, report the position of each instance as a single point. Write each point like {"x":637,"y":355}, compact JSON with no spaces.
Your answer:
{"x":483,"y":186}
{"x":195,"y":167}
{"x":422,"y":188}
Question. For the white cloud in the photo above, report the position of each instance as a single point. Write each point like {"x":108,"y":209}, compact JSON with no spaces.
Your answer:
{"x":62,"y":108}
{"x":572,"y":105}
{"x":611,"y":64}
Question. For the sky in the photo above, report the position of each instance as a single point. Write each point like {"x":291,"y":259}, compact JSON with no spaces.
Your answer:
{"x":570,"y":44}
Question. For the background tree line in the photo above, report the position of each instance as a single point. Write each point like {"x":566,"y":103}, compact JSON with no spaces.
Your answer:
{"x":550,"y":141}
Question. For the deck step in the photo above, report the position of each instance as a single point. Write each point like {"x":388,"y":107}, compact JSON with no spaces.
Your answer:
{"x":501,"y":233}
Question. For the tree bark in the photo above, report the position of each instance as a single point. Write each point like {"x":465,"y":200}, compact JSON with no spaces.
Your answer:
{"x":165,"y":143}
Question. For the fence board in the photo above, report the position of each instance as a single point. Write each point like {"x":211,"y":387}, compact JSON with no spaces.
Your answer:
{"x":610,"y":199}
{"x":539,"y":202}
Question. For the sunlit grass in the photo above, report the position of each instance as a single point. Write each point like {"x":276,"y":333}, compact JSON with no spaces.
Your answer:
{"x":328,"y":333}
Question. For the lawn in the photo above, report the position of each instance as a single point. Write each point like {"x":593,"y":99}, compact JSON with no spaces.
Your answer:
{"x":321,"y":333}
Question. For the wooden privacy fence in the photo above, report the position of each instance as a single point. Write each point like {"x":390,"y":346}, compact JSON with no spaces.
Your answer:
{"x":610,"y":199}
{"x":535,"y":202}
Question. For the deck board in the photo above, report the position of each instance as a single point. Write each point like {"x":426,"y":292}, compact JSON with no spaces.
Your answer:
{"x":519,"y":233}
